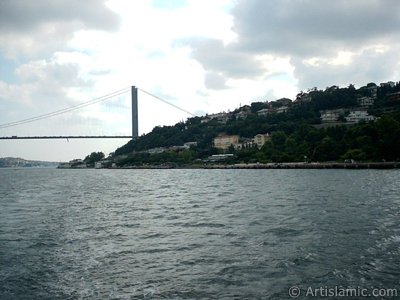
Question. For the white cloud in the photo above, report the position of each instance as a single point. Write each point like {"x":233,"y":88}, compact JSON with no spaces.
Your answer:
{"x":215,"y":81}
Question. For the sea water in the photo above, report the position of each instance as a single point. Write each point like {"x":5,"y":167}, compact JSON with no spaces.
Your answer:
{"x":197,"y":234}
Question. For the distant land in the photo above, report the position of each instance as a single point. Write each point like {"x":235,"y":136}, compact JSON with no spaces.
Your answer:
{"x":16,"y":162}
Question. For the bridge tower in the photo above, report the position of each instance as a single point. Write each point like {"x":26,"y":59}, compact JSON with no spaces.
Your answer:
{"x":135,"y":126}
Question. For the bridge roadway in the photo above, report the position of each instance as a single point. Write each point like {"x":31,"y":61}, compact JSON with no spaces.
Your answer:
{"x":14,"y":137}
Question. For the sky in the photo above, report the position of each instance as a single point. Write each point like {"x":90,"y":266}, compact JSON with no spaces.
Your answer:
{"x":204,"y":56}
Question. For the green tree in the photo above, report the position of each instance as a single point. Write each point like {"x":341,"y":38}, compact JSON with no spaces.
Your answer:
{"x":326,"y":150}
{"x":290,"y":148}
{"x":93,"y":158}
{"x":389,"y":138}
{"x":356,"y":154}
{"x":278,"y":140}
{"x":256,"y":106}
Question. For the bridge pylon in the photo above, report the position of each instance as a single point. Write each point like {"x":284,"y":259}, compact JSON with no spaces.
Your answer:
{"x":135,"y":122}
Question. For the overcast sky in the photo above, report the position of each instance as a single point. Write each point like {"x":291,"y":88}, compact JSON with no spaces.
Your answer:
{"x":204,"y":56}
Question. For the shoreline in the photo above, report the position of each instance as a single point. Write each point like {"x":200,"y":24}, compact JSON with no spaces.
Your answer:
{"x":367,"y":165}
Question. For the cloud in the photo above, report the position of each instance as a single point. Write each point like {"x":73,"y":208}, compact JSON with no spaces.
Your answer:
{"x":42,"y":86}
{"x":215,"y":81}
{"x":325,"y":42}
{"x":168,"y":4}
{"x":33,"y":28}
{"x":33,"y":36}
{"x":368,"y":65}
{"x":308,"y":28}
{"x":214,"y":56}
{"x":23,"y":16}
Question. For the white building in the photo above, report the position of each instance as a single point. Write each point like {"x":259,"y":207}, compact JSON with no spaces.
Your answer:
{"x":303,"y":97}
{"x":242,"y":115}
{"x":373,"y":91}
{"x":156,"y":150}
{"x":187,"y":145}
{"x":282,"y":109}
{"x":389,"y":83}
{"x":358,"y":116}
{"x":225,"y":141}
{"x":284,"y":101}
{"x":331,"y":115}
{"x":365,"y":101}
{"x":220,"y":117}
{"x":260,"y":139}
{"x":263,"y":112}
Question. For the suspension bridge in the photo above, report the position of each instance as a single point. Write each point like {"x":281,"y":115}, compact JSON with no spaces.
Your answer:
{"x":134,"y":117}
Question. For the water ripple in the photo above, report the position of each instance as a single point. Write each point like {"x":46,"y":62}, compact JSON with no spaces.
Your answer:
{"x":195,"y":234}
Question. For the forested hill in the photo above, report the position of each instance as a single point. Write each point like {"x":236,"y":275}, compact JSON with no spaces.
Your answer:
{"x":320,"y":125}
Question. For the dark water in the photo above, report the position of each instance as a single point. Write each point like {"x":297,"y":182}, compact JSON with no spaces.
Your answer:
{"x":196,"y":234}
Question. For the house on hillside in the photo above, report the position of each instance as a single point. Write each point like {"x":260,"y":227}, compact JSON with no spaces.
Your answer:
{"x":373,"y":91}
{"x":331,"y":89}
{"x":225,"y":141}
{"x":188,"y":145}
{"x":282,"y":109}
{"x":244,"y":143}
{"x":356,"y":116}
{"x":266,"y":111}
{"x":220,"y":117}
{"x":365,"y":101}
{"x":261,"y":139}
{"x":242,"y":115}
{"x":156,"y":150}
{"x":331,"y":115}
{"x":303,"y":98}
{"x":284,"y":101}
{"x":394,"y":96}
{"x":263,"y":112}
{"x":388,"y":84}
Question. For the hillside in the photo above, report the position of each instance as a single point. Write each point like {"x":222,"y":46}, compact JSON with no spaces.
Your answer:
{"x":318,"y":125}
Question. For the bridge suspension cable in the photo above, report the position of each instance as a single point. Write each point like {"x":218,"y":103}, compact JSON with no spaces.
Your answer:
{"x":165,"y":101}
{"x":88,"y":103}
{"x":66,"y":110}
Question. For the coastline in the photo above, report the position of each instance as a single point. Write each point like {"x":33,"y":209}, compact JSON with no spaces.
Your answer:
{"x":301,"y":165}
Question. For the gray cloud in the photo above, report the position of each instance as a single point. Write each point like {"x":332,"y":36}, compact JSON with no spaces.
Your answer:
{"x":23,"y":16}
{"x":62,"y":74}
{"x":308,"y":27}
{"x":37,"y":28}
{"x":216,"y":57}
{"x":304,"y":29}
{"x":368,"y":66}
{"x":31,"y":32}
{"x":42,"y":86}
{"x":215,"y":81}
